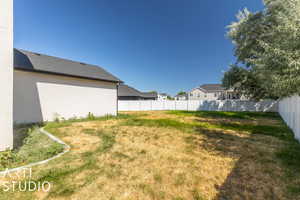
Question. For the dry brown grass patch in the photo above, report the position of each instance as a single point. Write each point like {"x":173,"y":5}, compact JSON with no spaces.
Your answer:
{"x":150,"y":167}
{"x":160,"y":163}
{"x":169,"y":162}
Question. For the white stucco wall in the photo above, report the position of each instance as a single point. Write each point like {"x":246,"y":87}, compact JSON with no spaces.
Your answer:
{"x":40,"y":97}
{"x":6,"y":74}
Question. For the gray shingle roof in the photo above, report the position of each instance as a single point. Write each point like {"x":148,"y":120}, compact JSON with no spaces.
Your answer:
{"x":127,"y":91}
{"x":149,"y":94}
{"x":29,"y":61}
{"x":212,"y":87}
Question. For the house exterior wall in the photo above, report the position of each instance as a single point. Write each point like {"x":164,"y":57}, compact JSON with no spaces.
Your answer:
{"x":198,"y":94}
{"x":43,"y":97}
{"x":162,"y":97}
{"x":181,"y":98}
{"x":6,"y":74}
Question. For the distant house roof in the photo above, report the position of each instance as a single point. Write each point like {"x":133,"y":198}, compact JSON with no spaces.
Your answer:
{"x":149,"y":94}
{"x":212,"y":87}
{"x":127,"y":91}
{"x":35,"y":62}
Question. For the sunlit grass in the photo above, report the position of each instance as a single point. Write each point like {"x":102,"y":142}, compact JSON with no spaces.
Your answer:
{"x":173,"y":155}
{"x":35,"y":147}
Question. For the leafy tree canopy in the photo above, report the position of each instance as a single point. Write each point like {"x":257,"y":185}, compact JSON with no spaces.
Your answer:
{"x":247,"y":83}
{"x":267,"y":48}
{"x":170,"y":98}
{"x":181,"y":93}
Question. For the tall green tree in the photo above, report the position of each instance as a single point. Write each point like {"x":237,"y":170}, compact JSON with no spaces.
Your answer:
{"x":267,"y":46}
{"x":247,"y":82}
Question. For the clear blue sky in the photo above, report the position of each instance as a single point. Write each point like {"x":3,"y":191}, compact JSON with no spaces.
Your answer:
{"x":163,"y":45}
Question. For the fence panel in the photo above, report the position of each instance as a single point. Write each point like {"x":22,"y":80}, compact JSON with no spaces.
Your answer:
{"x":158,"y":105}
{"x":181,"y":105}
{"x":145,"y":105}
{"x":194,"y":105}
{"x":122,"y":105}
{"x":289,"y":109}
{"x":133,"y":106}
{"x":170,"y":105}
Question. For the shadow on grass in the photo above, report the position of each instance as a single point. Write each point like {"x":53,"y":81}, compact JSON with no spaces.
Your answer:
{"x":29,"y":146}
{"x":19,"y":137}
{"x":267,"y":157}
{"x":227,"y":115}
{"x":247,"y":179}
{"x":279,"y":131}
{"x":256,"y":174}
{"x":21,"y":132}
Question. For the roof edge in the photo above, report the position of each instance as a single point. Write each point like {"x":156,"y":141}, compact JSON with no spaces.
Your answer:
{"x":62,"y":74}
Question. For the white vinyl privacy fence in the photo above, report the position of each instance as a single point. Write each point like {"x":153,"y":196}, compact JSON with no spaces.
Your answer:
{"x":289,"y":109}
{"x":196,"y":105}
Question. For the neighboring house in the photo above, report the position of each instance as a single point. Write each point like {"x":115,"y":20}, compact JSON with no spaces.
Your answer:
{"x":231,"y":94}
{"x":162,"y":96}
{"x":36,"y":87}
{"x":126,"y":92}
{"x":212,"y":92}
{"x":207,"y":92}
{"x":47,"y":87}
{"x":149,"y":95}
{"x":181,"y":97}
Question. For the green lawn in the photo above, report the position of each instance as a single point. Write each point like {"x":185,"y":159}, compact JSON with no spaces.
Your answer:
{"x":171,"y":155}
{"x":32,"y":146}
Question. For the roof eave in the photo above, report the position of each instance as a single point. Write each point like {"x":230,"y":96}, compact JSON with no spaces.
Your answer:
{"x":67,"y":75}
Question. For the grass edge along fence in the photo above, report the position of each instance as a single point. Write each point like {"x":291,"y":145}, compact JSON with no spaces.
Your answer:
{"x":200,"y":105}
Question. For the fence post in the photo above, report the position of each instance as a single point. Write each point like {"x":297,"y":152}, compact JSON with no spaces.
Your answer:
{"x":187,"y":105}
{"x":140,"y":105}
